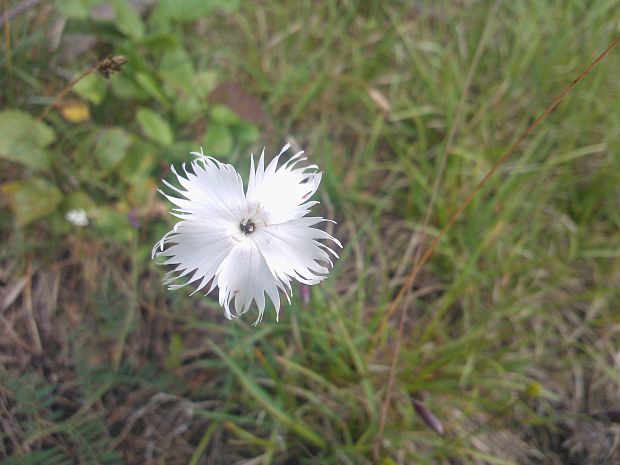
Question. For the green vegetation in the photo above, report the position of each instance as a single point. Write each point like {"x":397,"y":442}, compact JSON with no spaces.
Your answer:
{"x":512,"y":329}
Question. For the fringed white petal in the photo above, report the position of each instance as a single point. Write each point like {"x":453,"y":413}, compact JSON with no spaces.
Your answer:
{"x":212,"y":189}
{"x":197,"y":245}
{"x":197,"y":248}
{"x":292,"y":250}
{"x":247,"y":244}
{"x":244,"y":277}
{"x":282,"y":193}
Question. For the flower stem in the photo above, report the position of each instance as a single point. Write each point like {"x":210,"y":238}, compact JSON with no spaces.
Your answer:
{"x":64,"y":92}
{"x":105,"y":66}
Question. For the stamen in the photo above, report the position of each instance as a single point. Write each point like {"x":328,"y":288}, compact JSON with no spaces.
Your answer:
{"x":247,"y":226}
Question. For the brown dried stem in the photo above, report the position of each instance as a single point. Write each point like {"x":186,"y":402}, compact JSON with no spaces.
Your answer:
{"x":64,"y":92}
{"x":106,"y":67}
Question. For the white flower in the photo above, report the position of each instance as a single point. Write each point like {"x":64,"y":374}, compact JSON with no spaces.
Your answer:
{"x":77,"y":217}
{"x":246,"y":244}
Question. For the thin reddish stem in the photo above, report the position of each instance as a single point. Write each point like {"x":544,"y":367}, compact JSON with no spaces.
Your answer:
{"x":433,"y":246}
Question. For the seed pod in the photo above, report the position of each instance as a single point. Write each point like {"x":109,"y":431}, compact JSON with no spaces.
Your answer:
{"x":429,"y":418}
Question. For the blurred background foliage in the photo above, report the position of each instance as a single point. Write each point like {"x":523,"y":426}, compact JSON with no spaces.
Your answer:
{"x":511,"y":343}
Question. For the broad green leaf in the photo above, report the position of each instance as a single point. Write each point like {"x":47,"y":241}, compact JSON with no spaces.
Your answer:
{"x":92,"y":88}
{"x":126,"y":87}
{"x":139,"y":161}
{"x":78,"y":199}
{"x":160,"y":41}
{"x":246,"y":132}
{"x":224,"y":115}
{"x":188,"y":108}
{"x":111,"y":147}
{"x":204,"y":83}
{"x":152,"y":87}
{"x":227,"y":6}
{"x":160,"y":22}
{"x":154,"y":126}
{"x":23,"y":139}
{"x":218,"y":139}
{"x":189,"y":10}
{"x":177,"y":70}
{"x":114,"y":222}
{"x":32,"y":199}
{"x":180,"y":151}
{"x":259,"y":394}
{"x":128,"y":20}
{"x":75,"y":9}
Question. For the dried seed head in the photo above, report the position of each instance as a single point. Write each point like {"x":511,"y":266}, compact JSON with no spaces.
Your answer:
{"x":110,"y":65}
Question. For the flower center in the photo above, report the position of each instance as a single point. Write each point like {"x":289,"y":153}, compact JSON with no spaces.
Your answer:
{"x":247,"y":226}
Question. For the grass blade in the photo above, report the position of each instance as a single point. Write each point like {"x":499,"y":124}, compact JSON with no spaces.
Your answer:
{"x":295,"y":424}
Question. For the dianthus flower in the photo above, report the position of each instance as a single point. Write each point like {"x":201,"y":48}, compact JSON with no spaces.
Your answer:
{"x":250,"y":243}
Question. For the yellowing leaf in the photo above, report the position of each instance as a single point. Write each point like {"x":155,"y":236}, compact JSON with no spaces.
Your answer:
{"x":31,"y":199}
{"x":75,"y":111}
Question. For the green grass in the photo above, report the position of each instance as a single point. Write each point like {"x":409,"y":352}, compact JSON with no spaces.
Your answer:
{"x":512,"y":327}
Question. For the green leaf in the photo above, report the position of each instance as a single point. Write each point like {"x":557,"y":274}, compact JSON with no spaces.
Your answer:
{"x":188,"y":108}
{"x":111,"y":147}
{"x":160,"y":22}
{"x":180,"y":150}
{"x":189,"y":10}
{"x":175,"y":351}
{"x":154,"y":126}
{"x":126,"y":87}
{"x":218,"y":140}
{"x":177,"y":69}
{"x":113,"y":223}
{"x":128,"y":20}
{"x":139,"y":161}
{"x":78,"y":199}
{"x":75,"y":9}
{"x":246,"y":133}
{"x":160,"y":41}
{"x":254,"y":390}
{"x":32,"y":199}
{"x":24,"y":139}
{"x":152,"y":87}
{"x":204,"y":83}
{"x":92,"y":88}
{"x":223,"y":114}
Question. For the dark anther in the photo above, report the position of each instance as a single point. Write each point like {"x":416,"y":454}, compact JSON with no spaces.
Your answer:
{"x":246,"y":226}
